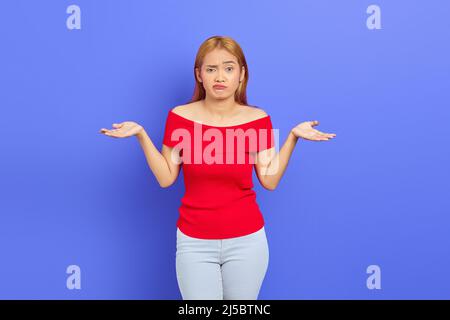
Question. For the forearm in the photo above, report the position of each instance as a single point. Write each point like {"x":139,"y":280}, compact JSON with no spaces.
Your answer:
{"x":155,"y":159}
{"x":279,"y":162}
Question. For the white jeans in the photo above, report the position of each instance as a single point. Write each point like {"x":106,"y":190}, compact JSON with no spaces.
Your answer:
{"x":228,"y":269}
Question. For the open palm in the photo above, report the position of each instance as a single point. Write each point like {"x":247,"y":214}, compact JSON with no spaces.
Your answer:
{"x":123,"y":130}
{"x":306,"y":131}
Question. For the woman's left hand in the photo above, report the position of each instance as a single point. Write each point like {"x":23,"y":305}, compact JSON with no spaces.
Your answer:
{"x":306,"y":131}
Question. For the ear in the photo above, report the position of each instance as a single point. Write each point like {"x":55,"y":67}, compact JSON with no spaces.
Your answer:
{"x":242,"y":74}
{"x":197,"y":73}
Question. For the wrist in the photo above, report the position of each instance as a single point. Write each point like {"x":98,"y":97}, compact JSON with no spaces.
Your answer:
{"x":293,"y":136}
{"x":140,"y":133}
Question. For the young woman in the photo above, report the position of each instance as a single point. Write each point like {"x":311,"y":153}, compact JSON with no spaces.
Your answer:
{"x":222,"y":250}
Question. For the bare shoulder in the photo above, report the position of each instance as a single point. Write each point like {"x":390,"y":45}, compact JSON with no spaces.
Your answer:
{"x":185,"y":110}
{"x":254,"y":113}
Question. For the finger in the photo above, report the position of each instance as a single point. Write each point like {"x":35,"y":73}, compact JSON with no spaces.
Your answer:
{"x":111,"y":135}
{"x":320,"y":137}
{"x":314,"y":123}
{"x":316,"y":139}
{"x":328,"y":135}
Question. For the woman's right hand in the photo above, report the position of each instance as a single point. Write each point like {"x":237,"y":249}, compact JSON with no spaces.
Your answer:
{"x":123,"y":130}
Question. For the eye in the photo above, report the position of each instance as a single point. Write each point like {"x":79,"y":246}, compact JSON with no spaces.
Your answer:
{"x":230,"y":68}
{"x":207,"y":69}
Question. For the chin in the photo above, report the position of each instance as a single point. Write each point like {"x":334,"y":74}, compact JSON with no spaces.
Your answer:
{"x":219,"y":96}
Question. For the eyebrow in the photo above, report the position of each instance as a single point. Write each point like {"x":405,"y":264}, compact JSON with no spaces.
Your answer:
{"x":214,"y":65}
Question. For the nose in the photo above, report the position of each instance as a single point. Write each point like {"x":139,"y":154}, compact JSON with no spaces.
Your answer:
{"x":219,"y":77}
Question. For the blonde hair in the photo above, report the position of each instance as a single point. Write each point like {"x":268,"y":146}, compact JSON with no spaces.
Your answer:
{"x":227,"y":43}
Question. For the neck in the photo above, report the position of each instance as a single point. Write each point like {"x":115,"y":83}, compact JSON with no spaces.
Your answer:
{"x":220,"y":108}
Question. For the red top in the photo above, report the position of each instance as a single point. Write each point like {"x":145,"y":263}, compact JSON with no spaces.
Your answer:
{"x":219,"y":201}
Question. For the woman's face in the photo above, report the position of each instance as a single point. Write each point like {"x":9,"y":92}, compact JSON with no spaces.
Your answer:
{"x":220,"y":68}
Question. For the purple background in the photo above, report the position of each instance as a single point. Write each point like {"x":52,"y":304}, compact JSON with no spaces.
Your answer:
{"x":377,"y":194}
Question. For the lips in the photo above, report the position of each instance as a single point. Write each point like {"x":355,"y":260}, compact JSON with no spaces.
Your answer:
{"x":219,"y":87}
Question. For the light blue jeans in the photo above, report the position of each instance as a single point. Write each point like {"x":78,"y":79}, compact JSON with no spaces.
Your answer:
{"x":227,"y":269}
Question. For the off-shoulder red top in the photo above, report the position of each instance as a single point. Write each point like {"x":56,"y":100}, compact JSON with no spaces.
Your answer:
{"x":217,"y":164}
